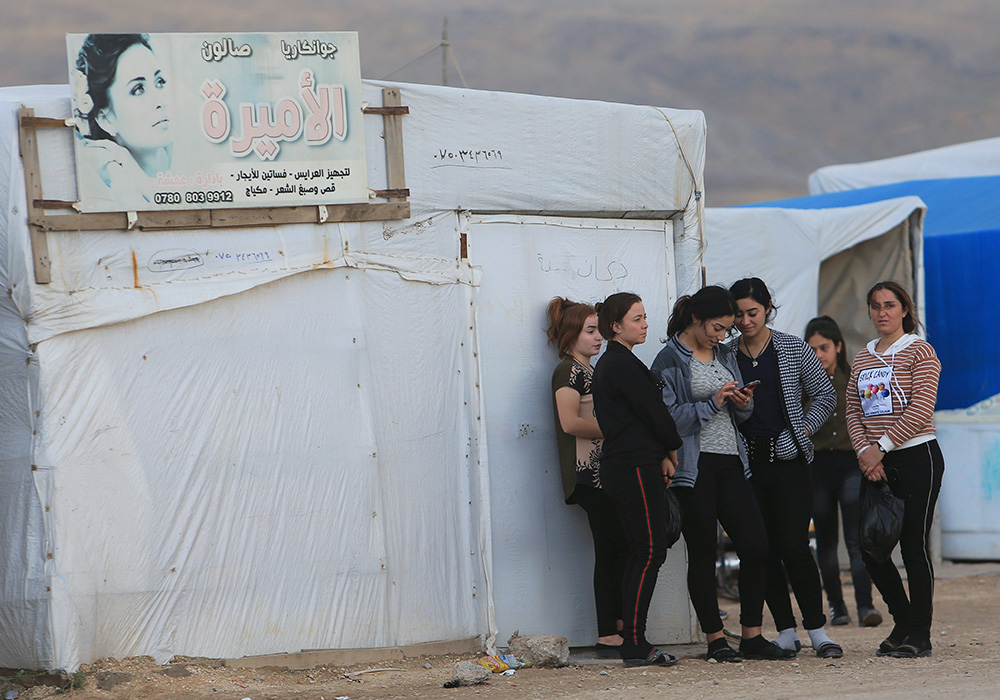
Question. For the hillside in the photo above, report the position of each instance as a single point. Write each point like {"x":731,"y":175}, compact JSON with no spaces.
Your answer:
{"x":786,"y":86}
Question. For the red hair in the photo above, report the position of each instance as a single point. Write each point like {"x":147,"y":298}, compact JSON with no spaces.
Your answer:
{"x":566,"y":319}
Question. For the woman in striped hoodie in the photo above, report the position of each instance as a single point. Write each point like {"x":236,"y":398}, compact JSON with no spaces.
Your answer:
{"x":890,"y":406}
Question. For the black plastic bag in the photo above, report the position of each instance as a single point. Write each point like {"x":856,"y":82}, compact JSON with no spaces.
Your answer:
{"x":881,"y":520}
{"x":673,"y":519}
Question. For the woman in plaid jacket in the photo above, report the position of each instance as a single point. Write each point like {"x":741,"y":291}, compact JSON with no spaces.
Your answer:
{"x":777,"y":438}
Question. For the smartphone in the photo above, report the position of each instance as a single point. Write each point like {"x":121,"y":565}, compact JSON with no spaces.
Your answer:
{"x":750,"y":385}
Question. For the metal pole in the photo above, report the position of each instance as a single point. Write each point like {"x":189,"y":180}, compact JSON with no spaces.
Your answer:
{"x":444,"y":52}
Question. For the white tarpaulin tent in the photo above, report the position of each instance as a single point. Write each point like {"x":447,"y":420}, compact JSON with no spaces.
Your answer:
{"x":971,"y":159}
{"x":818,"y":260}
{"x":325,"y":436}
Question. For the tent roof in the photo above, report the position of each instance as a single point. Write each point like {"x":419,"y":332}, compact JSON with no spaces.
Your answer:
{"x":547,"y":155}
{"x":762,"y":241}
{"x":954,"y":205}
{"x":973,"y":158}
{"x":961,"y":243}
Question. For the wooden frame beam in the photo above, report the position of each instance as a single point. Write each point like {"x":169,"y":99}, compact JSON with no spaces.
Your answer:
{"x":41,"y":223}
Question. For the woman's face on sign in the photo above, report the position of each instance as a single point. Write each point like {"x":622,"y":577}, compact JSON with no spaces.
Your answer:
{"x":137,"y":114}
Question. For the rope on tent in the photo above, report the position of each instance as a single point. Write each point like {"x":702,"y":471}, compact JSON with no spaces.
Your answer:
{"x":698,"y":191}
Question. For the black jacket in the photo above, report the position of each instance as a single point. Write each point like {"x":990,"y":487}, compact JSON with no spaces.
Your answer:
{"x":636,"y":424}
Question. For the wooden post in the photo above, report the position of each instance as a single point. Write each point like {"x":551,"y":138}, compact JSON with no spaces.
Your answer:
{"x":33,"y":192}
{"x":394,"y":171}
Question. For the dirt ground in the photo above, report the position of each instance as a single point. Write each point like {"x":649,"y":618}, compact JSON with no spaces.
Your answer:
{"x":965,"y":663}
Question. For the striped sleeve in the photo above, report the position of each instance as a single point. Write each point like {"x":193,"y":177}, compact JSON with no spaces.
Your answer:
{"x":820,"y":390}
{"x":925,"y":370}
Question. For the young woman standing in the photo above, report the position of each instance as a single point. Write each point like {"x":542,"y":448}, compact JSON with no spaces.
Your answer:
{"x":702,"y":389}
{"x":573,"y":330}
{"x":777,"y":435}
{"x":890,"y":407}
{"x":638,"y":460}
{"x":837,"y":484}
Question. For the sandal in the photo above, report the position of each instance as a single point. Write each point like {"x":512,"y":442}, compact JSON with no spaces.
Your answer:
{"x":829,"y":650}
{"x":607,"y":651}
{"x":724,"y":654}
{"x":655,"y":658}
{"x":890,"y":643}
{"x":760,"y":648}
{"x":912,"y":648}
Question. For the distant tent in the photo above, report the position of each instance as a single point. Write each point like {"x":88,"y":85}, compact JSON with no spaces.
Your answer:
{"x":819,"y":261}
{"x":961,"y":246}
{"x":972,"y":159}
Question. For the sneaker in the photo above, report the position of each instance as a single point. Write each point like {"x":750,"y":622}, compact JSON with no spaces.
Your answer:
{"x":839,"y":615}
{"x":869,"y":617}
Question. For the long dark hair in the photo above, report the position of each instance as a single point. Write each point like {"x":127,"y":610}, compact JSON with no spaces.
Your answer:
{"x":98,"y":61}
{"x":706,"y":303}
{"x":612,"y":310}
{"x":910,"y":321}
{"x":566,"y":319}
{"x":754,"y":288}
{"x":828,"y":328}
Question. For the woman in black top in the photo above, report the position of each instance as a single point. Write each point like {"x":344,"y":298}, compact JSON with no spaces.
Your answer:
{"x":639,"y":457}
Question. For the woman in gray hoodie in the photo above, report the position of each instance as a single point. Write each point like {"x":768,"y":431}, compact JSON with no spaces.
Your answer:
{"x":704,"y":393}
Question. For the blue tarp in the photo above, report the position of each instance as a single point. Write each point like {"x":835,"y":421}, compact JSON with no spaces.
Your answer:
{"x":961,"y":252}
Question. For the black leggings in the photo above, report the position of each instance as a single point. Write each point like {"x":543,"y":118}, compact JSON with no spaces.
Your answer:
{"x":641,"y":498}
{"x":609,"y":556}
{"x":784,"y":492}
{"x":721,"y":494}
{"x":836,"y":481}
{"x":915,"y":476}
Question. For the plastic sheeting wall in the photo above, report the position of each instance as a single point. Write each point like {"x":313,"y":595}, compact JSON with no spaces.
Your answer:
{"x":239,"y":477}
{"x":543,"y":559}
{"x":282,"y":447}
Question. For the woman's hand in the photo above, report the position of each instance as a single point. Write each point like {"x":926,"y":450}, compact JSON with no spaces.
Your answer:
{"x":741,"y":397}
{"x":877,"y":473}
{"x":724,"y":392}
{"x":870,"y":462}
{"x":669,"y":466}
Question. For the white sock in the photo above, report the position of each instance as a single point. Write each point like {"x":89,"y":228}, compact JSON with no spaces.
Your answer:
{"x":819,"y":638}
{"x":788,"y":639}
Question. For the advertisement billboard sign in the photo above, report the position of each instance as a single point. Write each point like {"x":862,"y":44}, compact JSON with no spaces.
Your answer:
{"x":205,"y":121}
